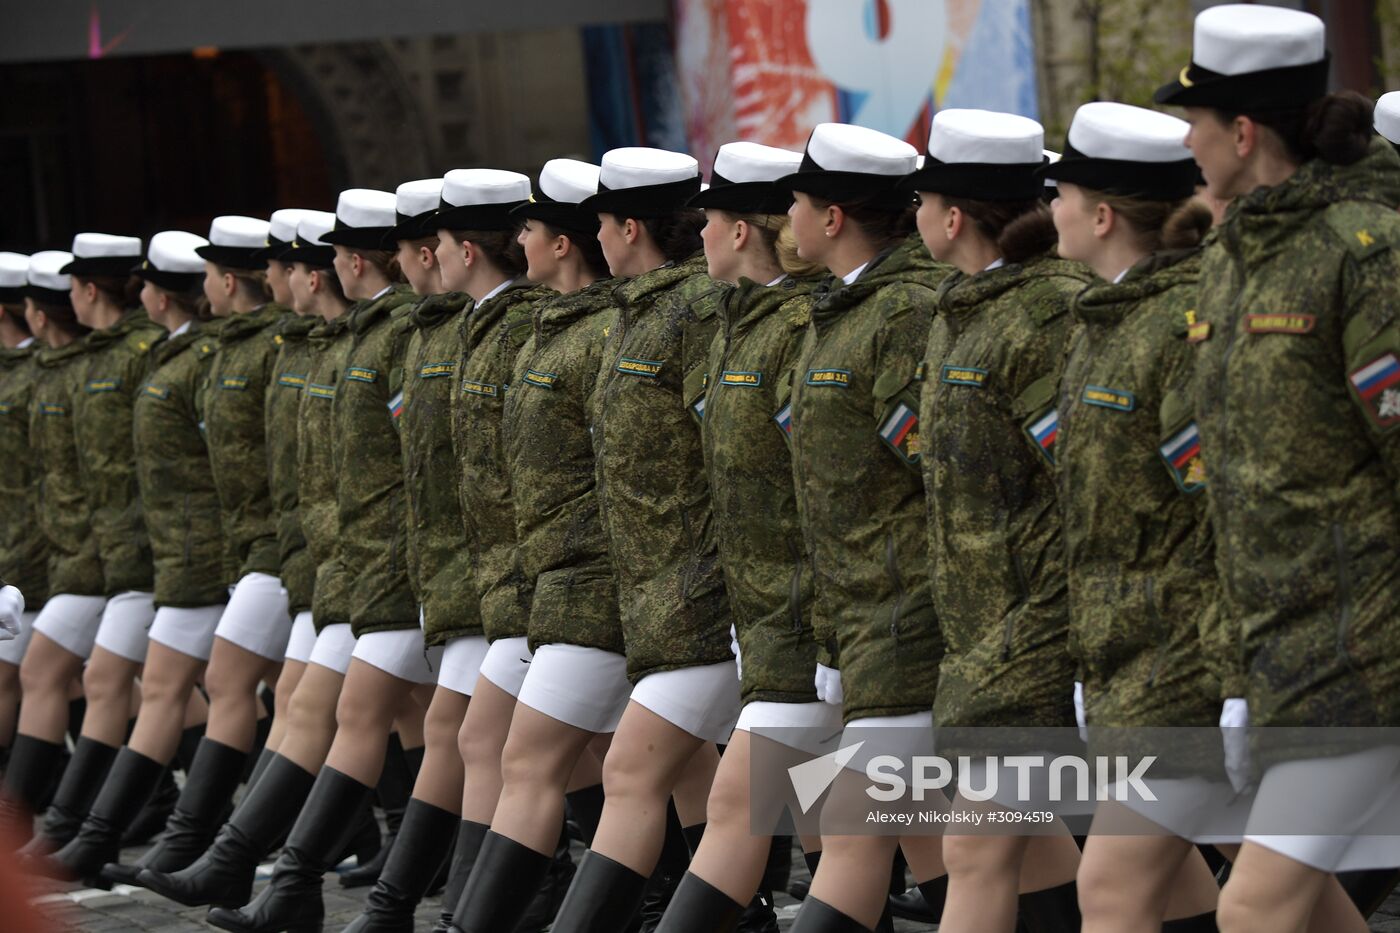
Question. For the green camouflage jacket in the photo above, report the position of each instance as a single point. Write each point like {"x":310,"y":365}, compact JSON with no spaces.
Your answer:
{"x":177,"y":493}
{"x":1298,"y":353}
{"x":114,"y":369}
{"x":491,"y":337}
{"x":994,"y":358}
{"x":23,"y":551}
{"x":318,"y":468}
{"x":235,"y":422}
{"x":439,"y":560}
{"x":1137,"y":541}
{"x":854,"y":451}
{"x":766,"y":570}
{"x":563,"y":550}
{"x":62,"y":509}
{"x":369,"y":479}
{"x":654,"y":496}
{"x":281,"y":409}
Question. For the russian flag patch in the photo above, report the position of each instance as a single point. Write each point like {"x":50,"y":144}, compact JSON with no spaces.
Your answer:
{"x":1044,"y":431}
{"x":784,"y":418}
{"x":900,"y":431}
{"x":396,"y":405}
{"x":1377,"y":387}
{"x":1182,"y":454}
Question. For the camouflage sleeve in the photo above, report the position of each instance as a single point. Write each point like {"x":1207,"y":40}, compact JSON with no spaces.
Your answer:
{"x":1371,"y":349}
{"x":899,"y":373}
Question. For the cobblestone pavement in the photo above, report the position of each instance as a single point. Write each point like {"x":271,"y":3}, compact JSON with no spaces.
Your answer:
{"x":133,"y":909}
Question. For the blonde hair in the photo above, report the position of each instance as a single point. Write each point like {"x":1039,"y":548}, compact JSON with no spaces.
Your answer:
{"x":775,"y":233}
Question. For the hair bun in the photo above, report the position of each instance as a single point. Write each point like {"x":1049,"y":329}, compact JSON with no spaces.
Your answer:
{"x":1338,"y":127}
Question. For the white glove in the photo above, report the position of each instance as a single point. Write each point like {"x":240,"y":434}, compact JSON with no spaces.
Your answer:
{"x":828,"y":683}
{"x":1234,"y":722}
{"x":1079,"y":719}
{"x":11,"y":608}
{"x":734,"y":649}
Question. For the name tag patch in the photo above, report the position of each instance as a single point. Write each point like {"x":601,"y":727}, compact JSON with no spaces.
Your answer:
{"x":320,"y":391}
{"x":480,"y":388}
{"x":1377,"y":385}
{"x":437,"y":370}
{"x":361,"y":374}
{"x":292,"y":380}
{"x":543,"y":380}
{"x":1280,"y":323}
{"x":95,"y":386}
{"x":6,"y":408}
{"x":49,"y":408}
{"x":840,"y":378}
{"x":160,"y":392}
{"x":233,"y":383}
{"x":748,"y":380}
{"x":1044,"y":431}
{"x":648,"y":368}
{"x":900,"y":432}
{"x":1103,"y":397}
{"x":1182,"y":454}
{"x":964,"y":376}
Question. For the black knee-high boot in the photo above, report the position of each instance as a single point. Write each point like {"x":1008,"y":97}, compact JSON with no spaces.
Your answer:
{"x":550,"y":896}
{"x":585,"y":809}
{"x":83,"y":778}
{"x":501,"y":886}
{"x":224,"y":874}
{"x":210,"y":780}
{"x":161,"y":804}
{"x":1369,"y":889}
{"x":33,"y":766}
{"x":1054,"y":910}
{"x":603,"y":893}
{"x":700,"y":907}
{"x":818,"y":917}
{"x":798,"y":889}
{"x":923,"y":902}
{"x":393,"y":790}
{"x":470,"y":836}
{"x":1200,"y":923}
{"x":670,"y":866}
{"x":132,"y":779}
{"x":424,"y":837}
{"x":292,"y":899}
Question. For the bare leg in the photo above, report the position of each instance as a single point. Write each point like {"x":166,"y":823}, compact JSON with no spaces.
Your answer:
{"x":167,"y":684}
{"x":46,"y":675}
{"x":311,"y":718}
{"x":1128,"y":883}
{"x":692,"y":791}
{"x":1269,"y":891}
{"x":232,"y":680}
{"x":645,"y":765}
{"x":109,"y":680}
{"x":440,"y":778}
{"x":730,"y":857}
{"x":482,"y":742}
{"x":287,"y":681}
{"x":538,"y":759}
{"x":369,"y":703}
{"x":854,"y":875}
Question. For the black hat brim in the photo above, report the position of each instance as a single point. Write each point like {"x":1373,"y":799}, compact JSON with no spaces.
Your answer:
{"x":312,"y":255}
{"x":477,"y":216}
{"x":273,"y":250}
{"x":233,"y":257}
{"x":1148,"y":181}
{"x":744,"y":197}
{"x":418,"y":227}
{"x":561,"y":215}
{"x":170,"y":281}
{"x":370,"y":238}
{"x":1272,"y":89}
{"x":643,"y":201}
{"x":11,"y":294}
{"x":99,"y":265}
{"x":48,"y":295}
{"x":978,"y":181}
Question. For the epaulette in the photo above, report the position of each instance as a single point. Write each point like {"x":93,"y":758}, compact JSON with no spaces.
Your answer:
{"x":1355,"y":224}
{"x":206,"y":348}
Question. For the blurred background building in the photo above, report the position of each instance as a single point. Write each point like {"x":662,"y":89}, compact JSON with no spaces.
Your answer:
{"x":139,"y":115}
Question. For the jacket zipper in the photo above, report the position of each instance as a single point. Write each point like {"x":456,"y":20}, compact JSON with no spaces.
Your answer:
{"x":899,"y":592}
{"x":1009,"y":627}
{"x":795,"y":586}
{"x":689,"y":556}
{"x":1343,"y":593}
{"x":189,"y":532}
{"x":1155,"y":618}
{"x":1222,"y":490}
{"x":394,"y":538}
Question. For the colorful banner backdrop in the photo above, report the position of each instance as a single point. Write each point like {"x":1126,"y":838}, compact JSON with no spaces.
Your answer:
{"x":770,"y":70}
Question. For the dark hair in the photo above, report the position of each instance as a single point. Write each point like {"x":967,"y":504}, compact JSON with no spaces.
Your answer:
{"x":251,"y":282}
{"x":587,"y":245}
{"x":676,"y":235}
{"x":1159,"y":225}
{"x":124,"y":291}
{"x":884,"y":226}
{"x":386,"y":261}
{"x":61,"y":315}
{"x":1336,"y":128}
{"x":15,"y":312}
{"x":193,"y":302}
{"x":332,"y":280}
{"x":500,"y":247}
{"x":1021,"y":230}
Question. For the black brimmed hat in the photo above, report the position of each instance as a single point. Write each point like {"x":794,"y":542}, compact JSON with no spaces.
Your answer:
{"x":415,"y":209}
{"x":281,"y":231}
{"x":364,"y":219}
{"x":309,"y":247}
{"x":14,"y":276}
{"x":639,"y":182}
{"x":103,"y":254}
{"x":47,"y":282}
{"x":982,"y":155}
{"x":173,"y":261}
{"x":236,"y":242}
{"x":845,"y":163}
{"x":743,"y":177}
{"x":564,"y":185}
{"x":1127,"y":151}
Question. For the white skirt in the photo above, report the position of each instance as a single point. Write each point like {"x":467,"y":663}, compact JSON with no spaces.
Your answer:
{"x":12,"y":651}
{"x":302,"y":638}
{"x":256,"y":619}
{"x":189,"y":631}
{"x":1351,"y":793}
{"x":586,"y":688}
{"x":507,"y":663}
{"x":902,"y":736}
{"x":126,"y":619}
{"x":71,"y":622}
{"x":333,"y":648}
{"x":461,"y":663}
{"x":807,"y":727}
{"x":400,"y":654}
{"x":703,"y":701}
